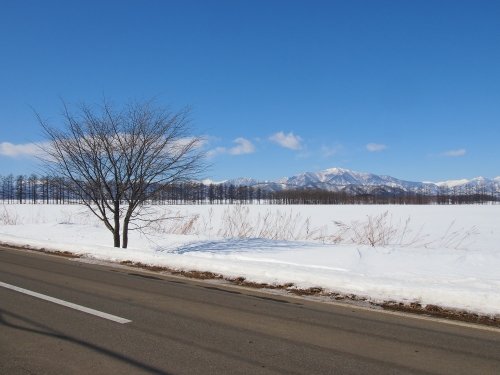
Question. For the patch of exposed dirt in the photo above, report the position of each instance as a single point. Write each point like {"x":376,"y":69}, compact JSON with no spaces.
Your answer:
{"x":66,"y":254}
{"x":437,"y":311}
{"x":145,"y":266}
{"x":198,"y":274}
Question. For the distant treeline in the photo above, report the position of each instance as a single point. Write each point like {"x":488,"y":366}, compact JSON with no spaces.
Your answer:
{"x":55,"y":190}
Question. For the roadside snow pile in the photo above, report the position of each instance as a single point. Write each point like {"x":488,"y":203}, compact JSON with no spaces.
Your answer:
{"x":445,"y":255}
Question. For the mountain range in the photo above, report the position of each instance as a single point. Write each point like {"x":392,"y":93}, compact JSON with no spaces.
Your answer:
{"x":340,"y":179}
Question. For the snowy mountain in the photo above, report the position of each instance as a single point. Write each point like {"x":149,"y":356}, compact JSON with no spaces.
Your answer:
{"x":340,"y":179}
{"x":244,"y":181}
{"x":333,"y":178}
{"x":475,"y":183}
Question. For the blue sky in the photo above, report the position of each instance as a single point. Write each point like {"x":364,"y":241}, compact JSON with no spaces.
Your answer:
{"x":405,"y":88}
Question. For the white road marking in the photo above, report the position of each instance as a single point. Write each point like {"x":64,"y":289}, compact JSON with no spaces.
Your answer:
{"x":74,"y":306}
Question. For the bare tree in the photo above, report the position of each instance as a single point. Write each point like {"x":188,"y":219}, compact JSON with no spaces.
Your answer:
{"x":117,"y":161}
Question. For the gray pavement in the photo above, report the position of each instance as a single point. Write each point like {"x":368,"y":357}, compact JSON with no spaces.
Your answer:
{"x":179,"y":326}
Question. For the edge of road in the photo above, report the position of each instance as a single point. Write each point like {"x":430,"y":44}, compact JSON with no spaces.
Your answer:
{"x":197,"y":278}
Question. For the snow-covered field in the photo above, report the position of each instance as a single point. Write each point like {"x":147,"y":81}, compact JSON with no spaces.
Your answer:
{"x":442,"y":255}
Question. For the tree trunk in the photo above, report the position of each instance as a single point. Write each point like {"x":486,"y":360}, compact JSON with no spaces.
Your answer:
{"x":116,"y":237}
{"x":116,"y":229}
{"x":125,"y":232}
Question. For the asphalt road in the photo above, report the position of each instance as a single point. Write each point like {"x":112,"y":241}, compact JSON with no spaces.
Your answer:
{"x":180,"y":326}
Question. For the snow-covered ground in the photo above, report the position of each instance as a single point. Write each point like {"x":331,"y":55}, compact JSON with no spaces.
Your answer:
{"x":443,"y":255}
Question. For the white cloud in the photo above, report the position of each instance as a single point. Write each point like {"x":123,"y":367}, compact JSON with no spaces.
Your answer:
{"x":243,"y":146}
{"x":454,"y":153}
{"x":17,"y":150}
{"x":198,"y":142}
{"x":215,"y":151}
{"x":375,"y":147}
{"x":290,"y":140}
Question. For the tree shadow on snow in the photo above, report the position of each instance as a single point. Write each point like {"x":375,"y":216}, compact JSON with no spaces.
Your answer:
{"x":237,"y":245}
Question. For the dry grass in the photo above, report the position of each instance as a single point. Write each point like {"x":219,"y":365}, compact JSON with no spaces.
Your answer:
{"x":380,"y":230}
{"x":375,"y":230}
{"x":238,"y":223}
{"x":8,"y":218}
{"x":457,"y":238}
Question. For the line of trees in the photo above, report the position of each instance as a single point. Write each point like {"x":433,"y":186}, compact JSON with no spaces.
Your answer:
{"x":56,"y":190}
{"x":34,"y":189}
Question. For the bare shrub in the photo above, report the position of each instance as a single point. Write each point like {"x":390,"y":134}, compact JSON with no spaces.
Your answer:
{"x":67,"y":217}
{"x":188,"y":225}
{"x":374,"y":231}
{"x":238,"y":223}
{"x":173,"y":223}
{"x":9,"y":218}
{"x":380,"y":230}
{"x":456,"y":238}
{"x":206,"y":223}
{"x":279,"y":226}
